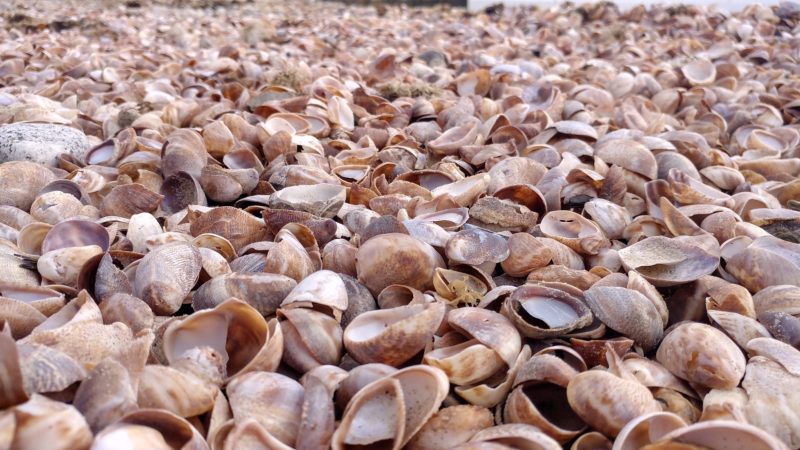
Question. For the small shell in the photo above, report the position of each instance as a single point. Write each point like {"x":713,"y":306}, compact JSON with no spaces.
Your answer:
{"x":699,"y":72}
{"x":451,"y":426}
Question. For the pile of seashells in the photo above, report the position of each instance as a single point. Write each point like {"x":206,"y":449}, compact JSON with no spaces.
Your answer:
{"x":312,"y":226}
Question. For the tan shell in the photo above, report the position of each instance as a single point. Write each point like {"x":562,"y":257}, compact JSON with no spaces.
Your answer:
{"x":699,"y":72}
{"x":393,"y":336}
{"x":166,"y":275}
{"x":515,"y":435}
{"x":575,"y":231}
{"x":243,"y":339}
{"x":647,"y":429}
{"x":235,"y":225}
{"x":395,"y":258}
{"x":555,"y":312}
{"x":490,"y":343}
{"x":722,"y":434}
{"x":628,"y":312}
{"x":702,"y":355}
{"x":406,"y":398}
{"x":526,"y":254}
{"x":263,"y":291}
{"x":311,"y":338}
{"x":451,"y":426}
{"x":667,"y":261}
{"x":273,"y":400}
{"x":607,"y":402}
{"x":41,"y":419}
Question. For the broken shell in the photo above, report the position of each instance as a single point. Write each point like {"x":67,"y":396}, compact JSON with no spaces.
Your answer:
{"x":574,"y":231}
{"x":242,"y":337}
{"x":393,"y":336}
{"x":539,"y":311}
{"x":489,"y":344}
{"x":667,"y":261}
{"x":407,"y":398}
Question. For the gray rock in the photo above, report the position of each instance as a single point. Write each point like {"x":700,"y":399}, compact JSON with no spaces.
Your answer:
{"x":40,"y":142}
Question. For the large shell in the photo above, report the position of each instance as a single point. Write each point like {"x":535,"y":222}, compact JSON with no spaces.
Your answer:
{"x":166,"y":275}
{"x":395,"y":258}
{"x":393,"y":336}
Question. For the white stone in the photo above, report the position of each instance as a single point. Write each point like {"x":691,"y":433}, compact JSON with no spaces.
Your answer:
{"x":40,"y":142}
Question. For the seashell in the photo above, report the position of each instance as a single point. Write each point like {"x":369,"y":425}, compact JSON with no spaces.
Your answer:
{"x":41,"y":419}
{"x":311,"y":338}
{"x":226,"y":185}
{"x":235,"y":225}
{"x":264,"y":291}
{"x":289,"y":257}
{"x":475,"y":247}
{"x":56,"y":206}
{"x":404,"y":331}
{"x":482,"y":353}
{"x":128,"y":199}
{"x":339,"y":256}
{"x":540,"y":388}
{"x":767,"y":261}
{"x":628,"y":312}
{"x":464,"y":191}
{"x":611,"y":218}
{"x":667,"y":261}
{"x":21,"y":181}
{"x":106,"y":394}
{"x":526,"y":254}
{"x":166,"y":275}
{"x":395,"y":258}
{"x":179,"y":191}
{"x":322,"y":200}
{"x":699,"y":72}
{"x":552,"y":312}
{"x":513,"y":435}
{"x":409,"y":397}
{"x":244,"y":340}
{"x":702,"y":355}
{"x":594,"y":351}
{"x":607,"y":402}
{"x":574,"y":231}
{"x":65,"y":265}
{"x":150,"y":428}
{"x":127,"y":309}
{"x":646,"y":429}
{"x":271,"y":399}
{"x":11,"y":375}
{"x":75,"y":233}
{"x":184,"y":151}
{"x":591,"y":441}
{"x":451,"y":426}
{"x":719,"y":434}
